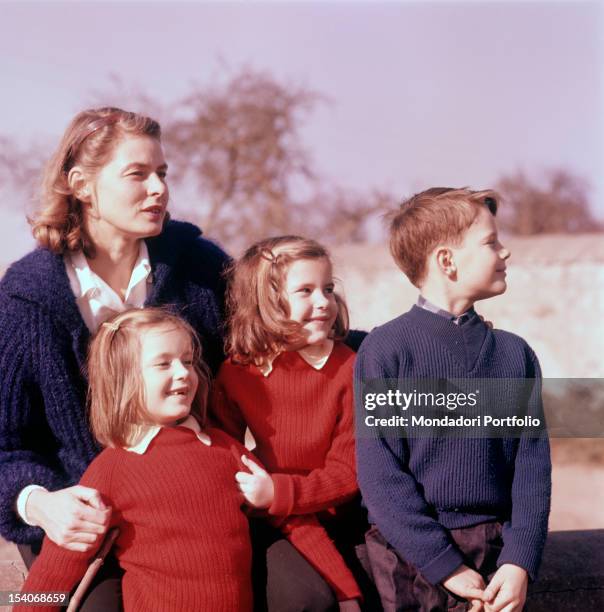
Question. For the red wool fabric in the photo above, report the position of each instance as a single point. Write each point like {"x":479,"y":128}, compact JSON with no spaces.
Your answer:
{"x":184,"y":540}
{"x":302,"y":421}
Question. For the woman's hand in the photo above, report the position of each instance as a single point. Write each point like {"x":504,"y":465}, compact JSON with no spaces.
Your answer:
{"x":257,"y":487}
{"x":74,"y":518}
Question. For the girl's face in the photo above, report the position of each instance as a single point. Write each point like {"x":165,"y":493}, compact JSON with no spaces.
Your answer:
{"x":309,"y":289}
{"x":129,"y":195}
{"x":169,"y":378}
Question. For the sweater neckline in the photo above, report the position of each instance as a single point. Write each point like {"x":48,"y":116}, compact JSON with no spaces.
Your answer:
{"x":464,"y":342}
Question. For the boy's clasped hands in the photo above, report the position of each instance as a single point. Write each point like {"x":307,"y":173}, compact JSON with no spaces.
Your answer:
{"x":505,"y":593}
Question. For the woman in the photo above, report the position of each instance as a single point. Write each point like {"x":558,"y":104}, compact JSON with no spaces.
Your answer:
{"x":105,"y":245}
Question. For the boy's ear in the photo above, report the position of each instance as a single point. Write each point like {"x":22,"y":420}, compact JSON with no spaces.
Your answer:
{"x":445,"y":261}
{"x":79,"y":185}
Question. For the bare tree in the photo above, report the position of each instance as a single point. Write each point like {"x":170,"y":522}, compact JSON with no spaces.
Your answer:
{"x":342,"y":216}
{"x":240,"y":144}
{"x":560,"y":204}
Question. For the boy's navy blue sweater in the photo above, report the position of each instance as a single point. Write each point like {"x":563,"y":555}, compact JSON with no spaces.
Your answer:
{"x":417,"y":489}
{"x":44,"y":433}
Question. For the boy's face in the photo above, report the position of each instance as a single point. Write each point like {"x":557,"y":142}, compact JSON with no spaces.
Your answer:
{"x":480,"y":260}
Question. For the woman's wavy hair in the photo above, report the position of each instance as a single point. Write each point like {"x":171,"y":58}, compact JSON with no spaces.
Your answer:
{"x":88,"y":142}
{"x":257,"y":308}
{"x":116,"y":396}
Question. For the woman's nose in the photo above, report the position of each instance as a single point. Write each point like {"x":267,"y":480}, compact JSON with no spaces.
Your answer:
{"x":156,"y":185}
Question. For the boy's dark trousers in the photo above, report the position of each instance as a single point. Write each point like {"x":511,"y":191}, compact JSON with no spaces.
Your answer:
{"x":403,"y":588}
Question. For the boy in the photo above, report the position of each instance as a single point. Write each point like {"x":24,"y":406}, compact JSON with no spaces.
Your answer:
{"x":450,"y":512}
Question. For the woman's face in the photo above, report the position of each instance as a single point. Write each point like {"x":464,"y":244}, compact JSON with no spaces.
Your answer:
{"x":129,"y":195}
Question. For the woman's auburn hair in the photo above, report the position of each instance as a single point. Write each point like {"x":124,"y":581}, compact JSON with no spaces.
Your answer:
{"x":258,"y":323}
{"x":88,"y":142}
{"x":116,"y":396}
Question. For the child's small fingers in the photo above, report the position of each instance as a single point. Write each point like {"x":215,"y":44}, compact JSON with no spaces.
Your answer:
{"x":491,"y":592}
{"x":243,"y":477}
{"x":476,"y":605}
{"x":474,"y":593}
{"x":245,"y":492}
{"x":502,"y":602}
{"x":252,"y":465}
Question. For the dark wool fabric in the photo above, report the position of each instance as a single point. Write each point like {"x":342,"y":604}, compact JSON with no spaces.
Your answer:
{"x":418,"y":489}
{"x":44,"y":434}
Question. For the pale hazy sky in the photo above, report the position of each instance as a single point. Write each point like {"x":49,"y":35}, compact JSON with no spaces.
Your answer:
{"x":450,"y":93}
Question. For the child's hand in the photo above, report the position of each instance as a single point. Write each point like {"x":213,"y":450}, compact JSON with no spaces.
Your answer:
{"x":257,"y":487}
{"x":467,"y":583}
{"x":507,"y":590}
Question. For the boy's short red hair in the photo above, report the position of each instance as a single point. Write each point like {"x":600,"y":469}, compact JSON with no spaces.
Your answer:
{"x":435,"y":216}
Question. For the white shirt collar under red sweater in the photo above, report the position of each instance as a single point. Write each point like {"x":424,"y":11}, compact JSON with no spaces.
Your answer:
{"x":313,"y":359}
{"x":151,"y":432}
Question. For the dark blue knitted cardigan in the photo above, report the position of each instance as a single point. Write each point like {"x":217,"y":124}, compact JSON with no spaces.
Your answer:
{"x":417,"y":489}
{"x":44,"y":434}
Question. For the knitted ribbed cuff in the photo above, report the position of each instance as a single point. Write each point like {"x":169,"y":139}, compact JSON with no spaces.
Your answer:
{"x":283,"y":501}
{"x":526,"y":562}
{"x":443,"y":566}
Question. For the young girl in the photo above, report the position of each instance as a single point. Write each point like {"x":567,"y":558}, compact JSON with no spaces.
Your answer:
{"x":289,"y":380}
{"x":183,"y":539}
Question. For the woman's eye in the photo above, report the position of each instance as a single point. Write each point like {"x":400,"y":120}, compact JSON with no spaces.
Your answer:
{"x":162,"y":364}
{"x":138,"y":173}
{"x":329,"y":289}
{"x":188,"y":362}
{"x":162,"y":174}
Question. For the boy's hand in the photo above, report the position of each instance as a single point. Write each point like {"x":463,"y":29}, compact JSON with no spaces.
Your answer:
{"x":507,"y":590}
{"x":467,"y":583}
{"x":257,"y":487}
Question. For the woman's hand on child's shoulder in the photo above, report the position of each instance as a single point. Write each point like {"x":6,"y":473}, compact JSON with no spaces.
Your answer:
{"x":73,"y":518}
{"x":256,"y":485}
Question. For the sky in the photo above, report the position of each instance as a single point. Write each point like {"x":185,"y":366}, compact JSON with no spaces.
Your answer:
{"x":416,"y":94}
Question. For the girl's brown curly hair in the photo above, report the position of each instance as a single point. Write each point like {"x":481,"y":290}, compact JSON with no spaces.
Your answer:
{"x":258,"y":311}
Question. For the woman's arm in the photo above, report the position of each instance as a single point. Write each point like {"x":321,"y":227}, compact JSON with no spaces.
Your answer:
{"x":30,"y":441}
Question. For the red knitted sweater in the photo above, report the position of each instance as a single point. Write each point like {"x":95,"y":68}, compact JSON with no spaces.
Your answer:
{"x":301,"y":419}
{"x":184,"y":540}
